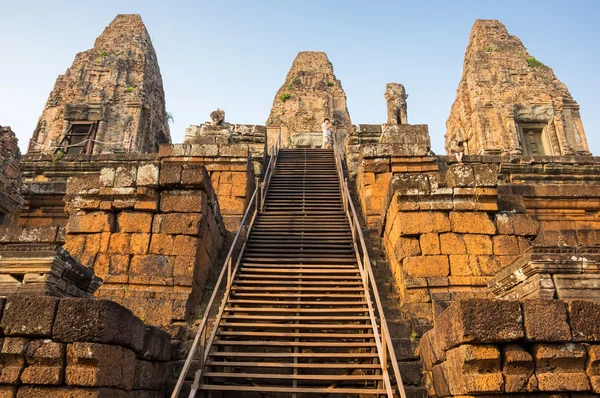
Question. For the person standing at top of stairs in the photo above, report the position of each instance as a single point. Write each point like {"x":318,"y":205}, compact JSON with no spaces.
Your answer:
{"x":326,"y":127}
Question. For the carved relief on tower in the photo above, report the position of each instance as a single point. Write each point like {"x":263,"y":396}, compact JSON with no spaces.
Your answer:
{"x":91,"y":106}
{"x":310,"y":93}
{"x":509,"y":103}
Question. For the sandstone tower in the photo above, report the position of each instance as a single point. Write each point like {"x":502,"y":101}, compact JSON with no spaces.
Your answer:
{"x":508,"y":102}
{"x":110,"y":100}
{"x":310,"y":93}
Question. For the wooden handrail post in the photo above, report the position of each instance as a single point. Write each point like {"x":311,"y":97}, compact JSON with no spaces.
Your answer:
{"x":229,"y":281}
{"x":257,"y":204}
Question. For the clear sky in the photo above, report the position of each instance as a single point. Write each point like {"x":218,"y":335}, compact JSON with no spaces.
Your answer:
{"x":234,"y":55}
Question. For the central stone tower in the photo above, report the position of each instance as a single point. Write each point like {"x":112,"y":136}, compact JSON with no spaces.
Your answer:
{"x":110,"y":100}
{"x":310,"y":93}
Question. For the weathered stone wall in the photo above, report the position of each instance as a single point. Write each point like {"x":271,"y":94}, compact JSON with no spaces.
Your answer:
{"x":369,"y":157}
{"x":31,"y":263}
{"x":116,"y":86}
{"x":506,"y":98}
{"x":254,"y":136}
{"x":231,"y":168}
{"x":448,"y":228}
{"x":537,"y":348}
{"x":10,"y":176}
{"x":72,"y":348}
{"x":151,"y":230}
{"x":310,"y":93}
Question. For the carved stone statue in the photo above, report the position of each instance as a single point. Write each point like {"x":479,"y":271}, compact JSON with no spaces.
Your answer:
{"x":217,"y":117}
{"x":396,"y":96}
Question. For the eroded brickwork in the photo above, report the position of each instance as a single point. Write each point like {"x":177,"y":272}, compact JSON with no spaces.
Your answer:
{"x":152,"y":230}
{"x":508,"y":102}
{"x":113,"y":94}
{"x":506,"y":347}
{"x":79,"y":348}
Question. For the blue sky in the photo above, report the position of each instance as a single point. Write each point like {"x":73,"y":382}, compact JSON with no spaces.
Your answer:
{"x":235,"y":54}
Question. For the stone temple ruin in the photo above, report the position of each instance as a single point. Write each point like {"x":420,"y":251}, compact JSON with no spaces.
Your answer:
{"x":465,"y":276}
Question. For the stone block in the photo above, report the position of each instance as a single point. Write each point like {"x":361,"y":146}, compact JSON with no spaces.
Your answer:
{"x":460,"y":175}
{"x":472,"y":223}
{"x":134,"y":222}
{"x":479,"y":321}
{"x":157,"y":344}
{"x":8,"y":391}
{"x":13,"y":359}
{"x":426,"y":266}
{"x":416,"y":223}
{"x":584,"y":319}
{"x":99,"y":365}
{"x":152,"y":267}
{"x":183,"y":201}
{"x":69,"y":392}
{"x":430,"y":244}
{"x":451,"y":243}
{"x":45,"y":360}
{"x":546,"y":320}
{"x":177,"y":223}
{"x":125,"y":176}
{"x":170,"y":173}
{"x":439,"y":376}
{"x":524,"y":224}
{"x":29,"y":316}
{"x":90,"y":223}
{"x":486,"y":175}
{"x":196,"y":175}
{"x":119,"y":243}
{"x":431,"y":352}
{"x":506,"y":245}
{"x":149,"y":375}
{"x":407,"y":247}
{"x":474,"y":369}
{"x":185,"y":245}
{"x":100,"y":321}
{"x":517,"y":368}
{"x":147,"y":175}
{"x":561,"y":367}
{"x":478,"y":244}
{"x":162,"y":244}
{"x":593,"y":367}
{"x":139,"y":243}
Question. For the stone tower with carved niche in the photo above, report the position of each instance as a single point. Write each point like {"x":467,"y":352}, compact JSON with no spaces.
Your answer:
{"x":310,"y":93}
{"x":508,"y":102}
{"x":110,"y":100}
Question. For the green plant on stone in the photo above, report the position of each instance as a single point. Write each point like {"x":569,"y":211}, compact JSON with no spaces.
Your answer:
{"x":330,"y":83}
{"x":413,"y":336}
{"x":487,"y":49}
{"x":201,"y":311}
{"x":57,"y":157}
{"x":129,"y":89}
{"x":284,"y":97}
{"x":532,"y":62}
{"x":103,"y":53}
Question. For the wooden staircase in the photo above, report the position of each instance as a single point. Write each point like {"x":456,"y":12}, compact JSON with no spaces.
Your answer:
{"x":298,"y":319}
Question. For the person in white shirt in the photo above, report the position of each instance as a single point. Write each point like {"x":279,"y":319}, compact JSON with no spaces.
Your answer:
{"x":326,"y":127}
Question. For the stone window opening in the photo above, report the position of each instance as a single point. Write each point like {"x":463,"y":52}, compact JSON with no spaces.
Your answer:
{"x":534,"y":140}
{"x":3,"y":218}
{"x":79,"y":138}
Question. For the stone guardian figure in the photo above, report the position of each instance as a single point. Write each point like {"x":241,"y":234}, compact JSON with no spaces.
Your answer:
{"x":217,"y":117}
{"x":395,"y":96}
